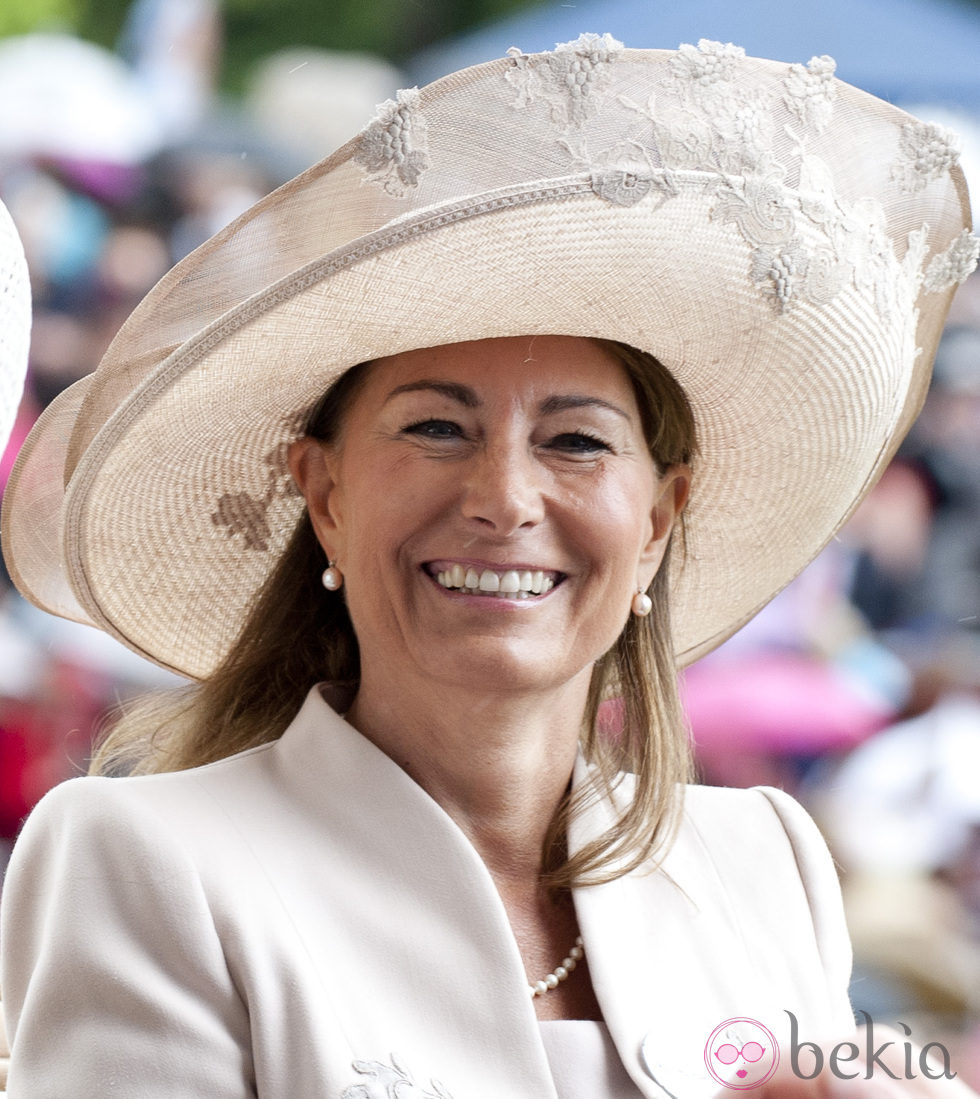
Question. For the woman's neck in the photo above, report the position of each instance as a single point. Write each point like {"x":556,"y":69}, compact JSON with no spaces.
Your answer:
{"x":498,"y":763}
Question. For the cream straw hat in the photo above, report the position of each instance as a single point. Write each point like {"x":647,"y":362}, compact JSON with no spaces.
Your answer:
{"x":15,"y":323}
{"x":785,"y":244}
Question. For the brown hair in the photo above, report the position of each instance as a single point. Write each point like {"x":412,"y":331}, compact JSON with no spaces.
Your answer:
{"x":298,"y":635}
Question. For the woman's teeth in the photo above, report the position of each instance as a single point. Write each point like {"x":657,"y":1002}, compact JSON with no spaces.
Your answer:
{"x":513,"y":584}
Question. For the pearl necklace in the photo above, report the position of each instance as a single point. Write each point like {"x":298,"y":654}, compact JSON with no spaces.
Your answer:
{"x":575,"y":955}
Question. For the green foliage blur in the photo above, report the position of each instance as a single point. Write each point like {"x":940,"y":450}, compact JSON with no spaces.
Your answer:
{"x":393,"y":29}
{"x":23,"y":16}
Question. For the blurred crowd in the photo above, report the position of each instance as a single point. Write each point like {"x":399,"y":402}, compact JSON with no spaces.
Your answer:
{"x":858,"y":689}
{"x":114,"y":166}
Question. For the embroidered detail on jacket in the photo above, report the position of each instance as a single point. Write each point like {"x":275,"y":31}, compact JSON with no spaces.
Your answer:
{"x":929,"y":151}
{"x":394,"y":147}
{"x":955,"y":265}
{"x":390,"y":1082}
{"x":570,"y":79}
{"x":811,"y":91}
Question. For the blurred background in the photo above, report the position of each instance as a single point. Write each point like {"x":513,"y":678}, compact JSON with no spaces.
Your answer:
{"x":132,"y":131}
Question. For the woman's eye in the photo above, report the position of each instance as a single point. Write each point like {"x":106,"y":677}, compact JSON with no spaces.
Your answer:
{"x":434,"y":429}
{"x":577,"y":442}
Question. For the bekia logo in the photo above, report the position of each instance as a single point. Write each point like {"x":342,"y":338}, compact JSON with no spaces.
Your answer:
{"x":867,"y":1058}
{"x":743,"y":1053}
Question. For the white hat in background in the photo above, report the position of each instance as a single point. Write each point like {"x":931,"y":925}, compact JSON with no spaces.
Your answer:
{"x":15,"y":323}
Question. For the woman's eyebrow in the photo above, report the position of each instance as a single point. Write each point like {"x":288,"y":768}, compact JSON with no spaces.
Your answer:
{"x":560,"y":403}
{"x":467,"y":397}
{"x":462,"y":394}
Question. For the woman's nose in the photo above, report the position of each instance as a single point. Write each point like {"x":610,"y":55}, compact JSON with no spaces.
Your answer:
{"x":502,"y":489}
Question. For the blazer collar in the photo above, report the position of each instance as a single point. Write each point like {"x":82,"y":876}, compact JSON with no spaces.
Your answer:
{"x":415,"y":931}
{"x":666,"y":959}
{"x":420,"y":937}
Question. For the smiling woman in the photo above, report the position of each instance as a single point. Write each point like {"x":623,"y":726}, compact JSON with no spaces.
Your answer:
{"x":520,"y":457}
{"x":502,"y":466}
{"x":544,"y":385}
{"x":613,"y":437}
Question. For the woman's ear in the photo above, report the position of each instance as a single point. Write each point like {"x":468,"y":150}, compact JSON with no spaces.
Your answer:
{"x":312,"y":465}
{"x":673,"y":489}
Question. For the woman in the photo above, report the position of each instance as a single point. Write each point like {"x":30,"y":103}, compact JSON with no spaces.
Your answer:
{"x":413,"y":467}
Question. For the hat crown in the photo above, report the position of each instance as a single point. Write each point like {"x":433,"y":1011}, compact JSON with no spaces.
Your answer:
{"x":783,"y":145}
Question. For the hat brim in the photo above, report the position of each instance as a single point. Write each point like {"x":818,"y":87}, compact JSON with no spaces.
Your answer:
{"x":36,"y":489}
{"x":769,"y":489}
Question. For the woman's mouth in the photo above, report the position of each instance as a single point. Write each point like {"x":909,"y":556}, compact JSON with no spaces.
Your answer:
{"x":501,"y":584}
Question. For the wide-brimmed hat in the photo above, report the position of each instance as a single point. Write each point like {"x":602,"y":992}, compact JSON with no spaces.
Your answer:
{"x":785,"y":244}
{"x":15,"y":323}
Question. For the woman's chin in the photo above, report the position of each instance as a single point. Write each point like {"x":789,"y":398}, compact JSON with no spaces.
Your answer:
{"x":486,"y":666}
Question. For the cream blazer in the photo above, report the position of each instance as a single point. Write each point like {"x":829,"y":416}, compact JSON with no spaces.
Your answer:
{"x":302,"y":921}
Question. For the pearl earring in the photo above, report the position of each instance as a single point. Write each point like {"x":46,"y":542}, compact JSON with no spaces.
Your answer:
{"x":332,"y":577}
{"x":642,"y":604}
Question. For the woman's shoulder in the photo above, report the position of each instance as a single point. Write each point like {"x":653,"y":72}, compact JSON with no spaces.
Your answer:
{"x":769,"y":854}
{"x":195,"y":816}
{"x":737,"y":818}
{"x":103,"y":813}
{"x":766,"y":806}
{"x":734,"y":834}
{"x":726,"y":812}
{"x":746,"y":831}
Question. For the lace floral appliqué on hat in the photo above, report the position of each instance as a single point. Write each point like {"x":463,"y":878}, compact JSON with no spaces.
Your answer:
{"x":811,"y":91}
{"x":622,"y":186}
{"x":570,"y":79}
{"x":956,"y":264}
{"x":708,"y":121}
{"x":246,"y":514}
{"x":393,"y":148}
{"x":781,"y":272}
{"x":707,"y":64}
{"x":929,"y":151}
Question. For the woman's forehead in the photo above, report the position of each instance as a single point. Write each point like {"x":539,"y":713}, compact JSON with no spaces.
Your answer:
{"x":536,"y":367}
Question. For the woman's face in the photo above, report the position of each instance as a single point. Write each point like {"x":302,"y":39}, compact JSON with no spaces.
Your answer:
{"x":493,"y":507}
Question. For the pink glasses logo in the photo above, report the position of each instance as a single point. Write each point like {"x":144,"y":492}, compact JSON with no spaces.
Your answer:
{"x":741,"y":1054}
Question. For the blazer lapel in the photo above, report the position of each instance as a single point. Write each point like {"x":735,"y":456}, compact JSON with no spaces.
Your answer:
{"x":669,"y":963}
{"x":403,"y":915}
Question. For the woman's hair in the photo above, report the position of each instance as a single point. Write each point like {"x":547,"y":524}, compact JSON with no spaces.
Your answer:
{"x":298,"y":634}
